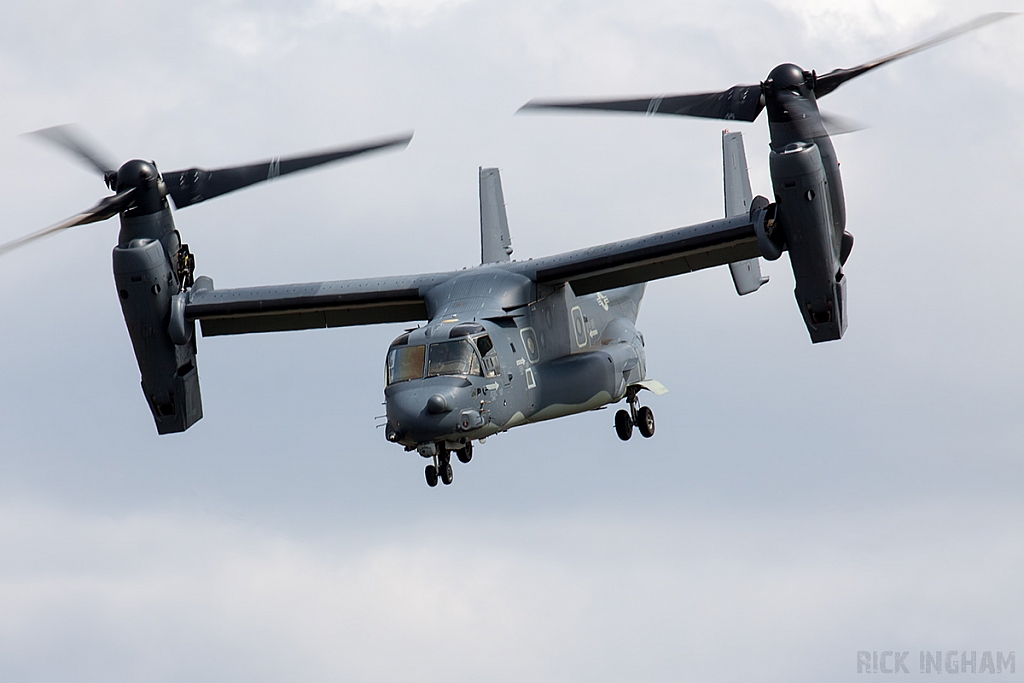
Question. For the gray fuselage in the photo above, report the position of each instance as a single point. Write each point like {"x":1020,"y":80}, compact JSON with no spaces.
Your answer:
{"x":500,"y":351}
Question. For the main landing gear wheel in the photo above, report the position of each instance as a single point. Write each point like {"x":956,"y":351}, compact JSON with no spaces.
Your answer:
{"x":465,"y":454}
{"x":431,"y":473}
{"x":645,"y":422}
{"x":623,"y":425}
{"x":444,"y":466}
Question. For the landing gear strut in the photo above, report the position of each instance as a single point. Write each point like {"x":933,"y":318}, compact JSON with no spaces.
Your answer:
{"x":441,"y":468}
{"x":640,"y":416}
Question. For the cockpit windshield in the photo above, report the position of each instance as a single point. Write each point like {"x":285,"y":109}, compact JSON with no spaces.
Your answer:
{"x":406,"y":362}
{"x":455,"y":357}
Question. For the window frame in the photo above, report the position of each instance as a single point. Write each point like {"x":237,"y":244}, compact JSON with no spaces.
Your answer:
{"x":393,"y":353}
{"x":475,"y":362}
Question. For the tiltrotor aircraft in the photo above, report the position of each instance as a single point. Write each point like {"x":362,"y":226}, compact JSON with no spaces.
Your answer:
{"x":505,"y":343}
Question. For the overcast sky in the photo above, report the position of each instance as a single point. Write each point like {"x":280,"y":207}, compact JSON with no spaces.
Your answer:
{"x":798,"y":504}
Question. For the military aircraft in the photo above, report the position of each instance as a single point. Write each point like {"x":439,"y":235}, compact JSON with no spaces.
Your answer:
{"x":507,"y":342}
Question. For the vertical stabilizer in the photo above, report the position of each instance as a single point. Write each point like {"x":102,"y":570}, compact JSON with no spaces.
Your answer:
{"x":495,"y":242}
{"x":746,"y":275}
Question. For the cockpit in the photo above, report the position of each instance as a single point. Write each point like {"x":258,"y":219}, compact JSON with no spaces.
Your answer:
{"x":468,"y":351}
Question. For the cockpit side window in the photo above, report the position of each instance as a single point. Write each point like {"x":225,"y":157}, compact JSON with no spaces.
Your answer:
{"x":455,"y":357}
{"x":489,"y":354}
{"x":406,"y":362}
{"x":485,"y":344}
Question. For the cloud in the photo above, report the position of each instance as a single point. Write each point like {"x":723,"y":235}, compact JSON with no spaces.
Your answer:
{"x":859,"y":19}
{"x":659,"y":593}
{"x":395,"y":14}
{"x":799,"y":503}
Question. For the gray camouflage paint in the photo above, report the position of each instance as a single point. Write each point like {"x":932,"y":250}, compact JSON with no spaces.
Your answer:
{"x":559,"y":354}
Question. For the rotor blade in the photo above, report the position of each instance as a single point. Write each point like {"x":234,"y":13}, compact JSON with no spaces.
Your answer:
{"x":71,"y":139}
{"x":108,"y":207}
{"x":826,"y":83}
{"x":740,"y":102}
{"x":194,"y":185}
{"x":840,"y":125}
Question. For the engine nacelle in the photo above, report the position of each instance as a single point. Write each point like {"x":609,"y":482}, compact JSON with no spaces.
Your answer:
{"x":170,"y":380}
{"x":804,"y":215}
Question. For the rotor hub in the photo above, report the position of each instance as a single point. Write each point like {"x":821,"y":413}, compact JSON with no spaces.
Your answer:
{"x":790,"y":77}
{"x":136,"y":173}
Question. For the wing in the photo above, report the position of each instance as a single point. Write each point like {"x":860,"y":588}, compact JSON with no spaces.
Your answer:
{"x":309,"y":306}
{"x":370,"y":301}
{"x":663,"y":254}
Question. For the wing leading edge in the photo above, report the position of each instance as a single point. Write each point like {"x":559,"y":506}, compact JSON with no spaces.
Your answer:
{"x":652,"y":257}
{"x":310,"y":306}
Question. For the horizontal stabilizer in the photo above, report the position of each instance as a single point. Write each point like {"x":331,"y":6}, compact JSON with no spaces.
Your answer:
{"x":746,"y":275}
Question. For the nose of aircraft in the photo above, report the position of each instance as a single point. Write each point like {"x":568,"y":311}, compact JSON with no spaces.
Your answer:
{"x":424,"y":410}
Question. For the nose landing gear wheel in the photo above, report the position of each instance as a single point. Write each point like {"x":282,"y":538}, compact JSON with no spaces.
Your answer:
{"x":431,"y":473}
{"x":446,"y":473}
{"x":645,"y":422}
{"x":623,"y":425}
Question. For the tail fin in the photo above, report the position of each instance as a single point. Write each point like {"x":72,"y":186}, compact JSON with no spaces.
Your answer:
{"x":495,"y":242}
{"x":746,"y":275}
